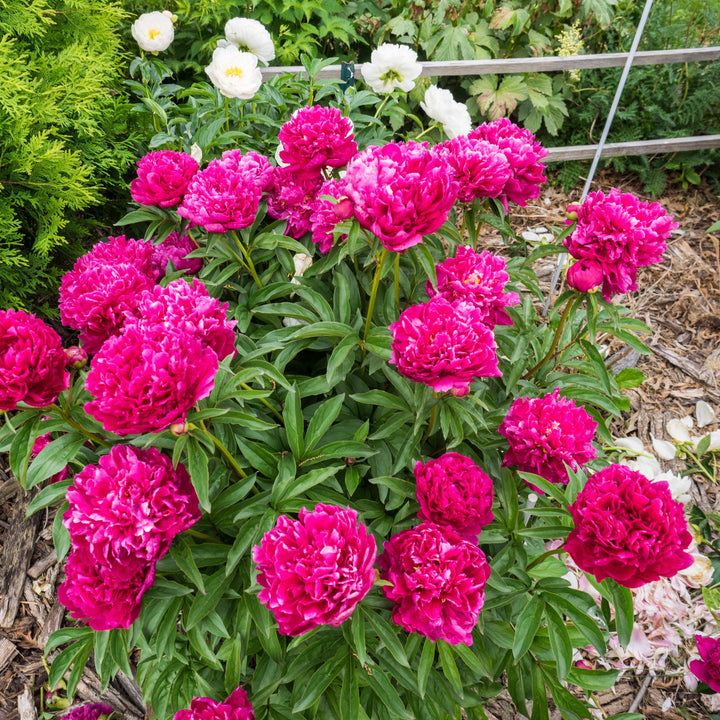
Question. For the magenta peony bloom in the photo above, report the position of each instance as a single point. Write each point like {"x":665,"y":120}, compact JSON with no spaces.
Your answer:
{"x":95,"y":299}
{"x":191,"y":309}
{"x":452,"y":490}
{"x":236,"y":707}
{"x":628,"y":528}
{"x":292,"y":197}
{"x":163,"y":177}
{"x":251,"y":164}
{"x":92,"y":711}
{"x":707,"y":669}
{"x":316,"y":137}
{"x":32,"y":361}
{"x":477,"y":278}
{"x":524,"y":154}
{"x":619,"y":233}
{"x":438,"y":582}
{"x":147,"y":379}
{"x":481,"y":168}
{"x":119,"y":250}
{"x":40,"y":444}
{"x":316,"y":569}
{"x":174,"y":248}
{"x":326,"y":214}
{"x":444,"y":345}
{"x":547,"y":432}
{"x":130,"y":505}
{"x":104,"y":596}
{"x":401,"y":191}
{"x":220,"y":198}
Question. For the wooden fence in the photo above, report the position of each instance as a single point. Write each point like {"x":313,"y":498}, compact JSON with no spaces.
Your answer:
{"x":506,"y":66}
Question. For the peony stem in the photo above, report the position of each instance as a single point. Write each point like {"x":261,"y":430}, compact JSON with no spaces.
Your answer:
{"x":381,"y":106}
{"x":248,"y":262}
{"x":75,"y":425}
{"x":224,"y":452}
{"x":427,"y":130}
{"x":545,"y":556}
{"x":245,"y":386}
{"x":202,"y":536}
{"x":556,"y":340}
{"x":397,"y":281}
{"x":227,"y":114}
{"x":373,"y":292}
{"x":431,"y":424}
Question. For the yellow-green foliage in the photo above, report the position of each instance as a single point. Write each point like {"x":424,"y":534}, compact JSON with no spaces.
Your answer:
{"x":63,"y":140}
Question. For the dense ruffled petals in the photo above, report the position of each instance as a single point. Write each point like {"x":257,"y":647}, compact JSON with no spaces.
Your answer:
{"x":236,"y":707}
{"x":452,"y":490}
{"x":190,"y":308}
{"x":438,"y":582}
{"x":444,"y":345}
{"x":546,"y":433}
{"x":316,"y":137}
{"x":175,"y":248}
{"x":104,"y":596}
{"x":146,"y":380}
{"x":708,"y":668}
{"x":251,"y":164}
{"x":89,"y":712}
{"x":292,"y":197}
{"x":220,"y":198}
{"x":130,"y":505}
{"x":117,"y":251}
{"x":400,"y":191}
{"x":32,"y":361}
{"x":615,"y":235}
{"x":163,"y":178}
{"x":628,"y":528}
{"x":316,"y":569}
{"x":326,"y":214}
{"x":477,"y":278}
{"x":524,"y":154}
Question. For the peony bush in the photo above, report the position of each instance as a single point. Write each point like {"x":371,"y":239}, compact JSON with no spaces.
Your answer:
{"x":323,"y":455}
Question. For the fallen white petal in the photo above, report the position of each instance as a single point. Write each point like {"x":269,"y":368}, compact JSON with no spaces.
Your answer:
{"x":663,"y":449}
{"x":677,"y":430}
{"x":632,"y":444}
{"x":704,"y":413}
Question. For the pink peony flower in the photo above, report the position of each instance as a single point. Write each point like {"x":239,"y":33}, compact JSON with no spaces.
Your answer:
{"x":438,"y":582}
{"x":119,"y":250}
{"x":316,"y":137}
{"x":146,"y":380}
{"x":316,"y":569}
{"x":236,"y":707}
{"x":477,"y":278}
{"x":481,"y":168}
{"x":188,"y":307}
{"x":628,"y":528}
{"x":40,"y":444}
{"x":401,"y":191}
{"x":292,"y":197}
{"x":163,"y":177}
{"x":104,"y":596}
{"x":547,"y":432}
{"x":585,"y":275}
{"x":251,"y":164}
{"x":524,"y":154}
{"x":708,"y":668}
{"x":88,"y":712}
{"x":32,"y":361}
{"x":452,"y":490}
{"x":325,"y":215}
{"x":96,"y":299}
{"x":130,"y":505}
{"x":619,"y":233}
{"x":444,"y":345}
{"x":220,"y":198}
{"x":174,"y":248}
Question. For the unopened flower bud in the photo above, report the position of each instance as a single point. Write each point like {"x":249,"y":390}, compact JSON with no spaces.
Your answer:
{"x":583,"y":665}
{"x":572,"y":212}
{"x":349,"y":461}
{"x":344,"y":208}
{"x":179,"y":428}
{"x":585,"y":275}
{"x":76,"y":357}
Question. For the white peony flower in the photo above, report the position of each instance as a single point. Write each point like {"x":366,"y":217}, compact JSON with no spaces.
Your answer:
{"x":440,"y":105}
{"x":700,"y":573}
{"x":250,"y":35}
{"x":679,"y":485}
{"x":704,"y":413}
{"x":633,"y":445}
{"x":153,"y":31}
{"x":234,"y":73}
{"x":678,"y":430}
{"x":391,"y":66}
{"x":663,"y":449}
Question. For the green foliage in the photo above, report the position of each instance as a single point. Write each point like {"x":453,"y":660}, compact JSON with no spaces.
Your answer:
{"x":62,"y":134}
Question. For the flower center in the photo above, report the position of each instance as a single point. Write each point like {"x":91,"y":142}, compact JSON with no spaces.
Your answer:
{"x":234,"y":71}
{"x":152,"y":33}
{"x":392,"y":76}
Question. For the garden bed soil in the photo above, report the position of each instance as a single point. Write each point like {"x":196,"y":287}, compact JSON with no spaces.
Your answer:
{"x":679,"y":299}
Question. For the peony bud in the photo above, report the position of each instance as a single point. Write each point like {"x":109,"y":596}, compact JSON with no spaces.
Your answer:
{"x":76,"y":357}
{"x":572,"y":212}
{"x":179,"y":428}
{"x":585,"y":275}
{"x":344,"y":208}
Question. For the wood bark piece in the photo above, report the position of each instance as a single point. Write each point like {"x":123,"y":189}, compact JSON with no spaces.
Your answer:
{"x":131,"y":689}
{"x":34,"y":604}
{"x":52,"y":623}
{"x":26,"y":706}
{"x":18,"y":546}
{"x":42,"y":565}
{"x":688,"y":367}
{"x":7,"y":652}
{"x":90,"y":689}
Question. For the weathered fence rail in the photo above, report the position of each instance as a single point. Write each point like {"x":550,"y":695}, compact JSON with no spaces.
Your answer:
{"x":504,"y":66}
